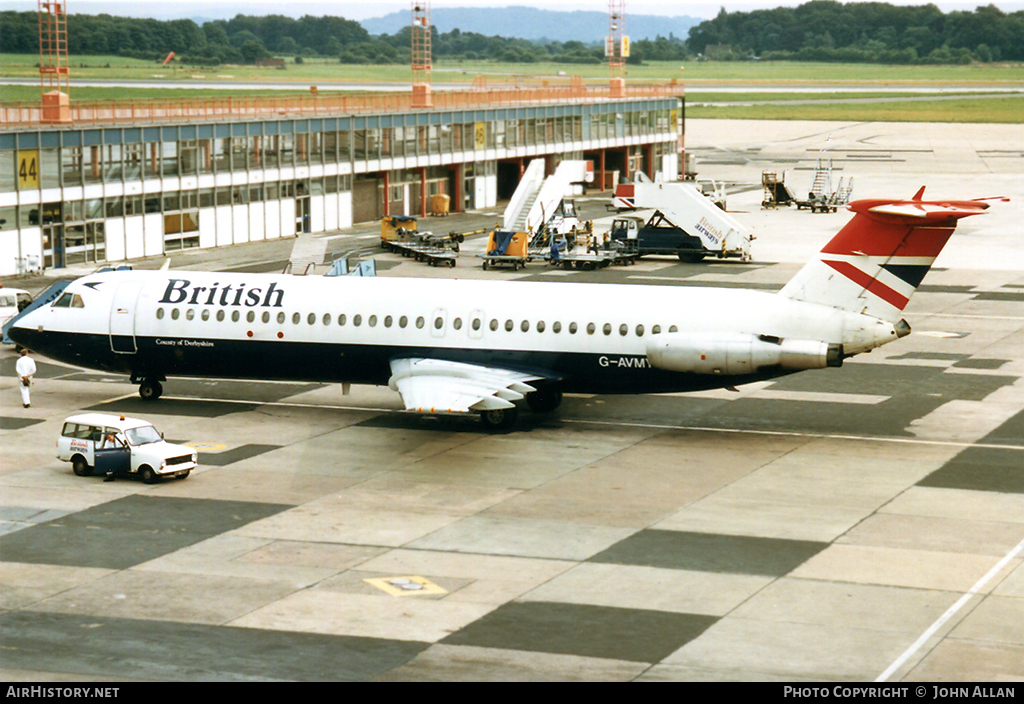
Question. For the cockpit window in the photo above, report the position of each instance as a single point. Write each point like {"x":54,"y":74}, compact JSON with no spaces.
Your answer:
{"x":69,"y":300}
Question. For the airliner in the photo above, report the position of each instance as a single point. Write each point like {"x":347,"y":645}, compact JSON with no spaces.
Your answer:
{"x":480,"y":346}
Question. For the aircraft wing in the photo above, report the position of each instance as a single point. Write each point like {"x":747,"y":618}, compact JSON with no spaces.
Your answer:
{"x":436,"y":386}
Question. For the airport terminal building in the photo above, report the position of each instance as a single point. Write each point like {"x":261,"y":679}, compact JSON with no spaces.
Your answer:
{"x":109,"y":186}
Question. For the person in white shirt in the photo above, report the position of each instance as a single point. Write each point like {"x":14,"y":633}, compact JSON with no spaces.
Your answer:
{"x":26,"y":369}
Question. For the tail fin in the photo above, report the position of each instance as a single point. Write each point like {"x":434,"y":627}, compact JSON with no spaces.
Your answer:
{"x":877,"y":261}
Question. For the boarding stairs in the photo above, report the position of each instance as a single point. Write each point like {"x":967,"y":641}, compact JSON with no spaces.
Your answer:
{"x":538,"y":197}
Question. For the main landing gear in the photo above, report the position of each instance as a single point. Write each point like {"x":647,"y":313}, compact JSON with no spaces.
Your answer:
{"x":543,"y":400}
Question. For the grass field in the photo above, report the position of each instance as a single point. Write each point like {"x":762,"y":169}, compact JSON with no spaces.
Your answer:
{"x":970,"y":80}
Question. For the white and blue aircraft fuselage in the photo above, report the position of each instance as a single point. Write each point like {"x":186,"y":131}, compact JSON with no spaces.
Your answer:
{"x":480,"y":346}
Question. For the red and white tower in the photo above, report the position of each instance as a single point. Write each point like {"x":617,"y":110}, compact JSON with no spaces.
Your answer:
{"x":53,"y":60}
{"x":421,"y":54}
{"x":617,"y":47}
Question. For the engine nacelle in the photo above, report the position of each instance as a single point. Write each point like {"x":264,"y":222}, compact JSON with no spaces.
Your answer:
{"x":737,"y":353}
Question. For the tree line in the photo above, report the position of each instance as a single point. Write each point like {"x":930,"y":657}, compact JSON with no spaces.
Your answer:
{"x":825,"y":30}
{"x":820,"y":30}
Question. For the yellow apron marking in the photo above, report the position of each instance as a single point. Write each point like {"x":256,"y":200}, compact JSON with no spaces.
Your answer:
{"x":406,"y":586}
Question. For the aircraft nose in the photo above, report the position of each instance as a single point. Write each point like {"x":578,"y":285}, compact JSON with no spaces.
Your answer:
{"x":25,"y":331}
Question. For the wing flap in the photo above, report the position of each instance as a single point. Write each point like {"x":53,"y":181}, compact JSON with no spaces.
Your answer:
{"x":441,"y":386}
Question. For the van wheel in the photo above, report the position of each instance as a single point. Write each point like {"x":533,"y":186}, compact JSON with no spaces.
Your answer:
{"x":80,"y":467}
{"x":147,"y":474}
{"x":691,"y":257}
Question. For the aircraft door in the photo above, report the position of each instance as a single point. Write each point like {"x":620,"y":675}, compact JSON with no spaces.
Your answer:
{"x":122,"y":317}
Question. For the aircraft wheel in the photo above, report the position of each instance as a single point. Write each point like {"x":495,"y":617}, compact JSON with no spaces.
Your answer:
{"x":544,"y":400}
{"x":500,"y":419}
{"x":150,"y":390}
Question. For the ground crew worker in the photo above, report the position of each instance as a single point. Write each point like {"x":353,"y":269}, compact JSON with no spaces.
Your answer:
{"x":26,"y":369}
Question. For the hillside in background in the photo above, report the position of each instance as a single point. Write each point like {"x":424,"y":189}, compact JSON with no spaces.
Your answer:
{"x":536,"y":25}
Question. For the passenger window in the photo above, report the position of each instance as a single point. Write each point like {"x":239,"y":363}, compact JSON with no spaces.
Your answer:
{"x":438,"y":322}
{"x":673,"y":328}
{"x":572,"y":328}
{"x":556,"y":327}
{"x":457,"y":323}
{"x":327,"y":319}
{"x":639,"y":330}
{"x":220,"y":316}
{"x":509,"y":325}
{"x":420,"y":322}
{"x":159,"y":313}
{"x":387,"y":321}
{"x":357,"y":320}
{"x":311,"y":318}
{"x":494,"y":324}
{"x":190,"y":313}
{"x":540,"y":326}
{"x":591,"y":328}
{"x":656,"y":330}
{"x":403,"y":321}
{"x":342,"y":319}
{"x":175,"y":313}
{"x":372,"y":322}
{"x":607,"y":328}
{"x":476,"y":323}
{"x":205,"y":315}
{"x":525,"y":326}
{"x":281,"y":318}
{"x":235,"y":315}
{"x":296,"y":317}
{"x":266,"y":316}
{"x":250,"y":316}
{"x":623,"y":329}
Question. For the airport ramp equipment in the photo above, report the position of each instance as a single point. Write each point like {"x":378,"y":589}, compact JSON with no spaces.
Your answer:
{"x":776,"y":191}
{"x":683,"y":205}
{"x":538,"y":197}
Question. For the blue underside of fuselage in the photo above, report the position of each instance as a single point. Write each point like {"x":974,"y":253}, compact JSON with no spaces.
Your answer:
{"x":282,"y":360}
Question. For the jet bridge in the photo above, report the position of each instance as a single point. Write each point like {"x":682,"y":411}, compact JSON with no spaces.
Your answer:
{"x":685,"y":207}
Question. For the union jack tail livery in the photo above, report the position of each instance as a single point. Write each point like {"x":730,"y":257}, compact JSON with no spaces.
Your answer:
{"x":877,"y":261}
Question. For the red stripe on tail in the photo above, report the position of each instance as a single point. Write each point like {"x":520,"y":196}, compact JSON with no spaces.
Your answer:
{"x":872,"y":285}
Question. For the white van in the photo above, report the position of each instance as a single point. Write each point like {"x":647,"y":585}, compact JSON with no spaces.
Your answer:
{"x":106,"y":443}
{"x":12,"y":302}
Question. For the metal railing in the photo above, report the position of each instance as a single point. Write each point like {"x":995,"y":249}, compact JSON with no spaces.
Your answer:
{"x":141,"y":111}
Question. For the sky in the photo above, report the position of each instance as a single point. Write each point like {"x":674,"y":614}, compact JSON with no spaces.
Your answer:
{"x":361,"y":9}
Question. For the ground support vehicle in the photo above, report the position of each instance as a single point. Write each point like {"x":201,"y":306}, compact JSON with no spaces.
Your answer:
{"x":506,"y":249}
{"x":776,"y":192}
{"x":660,"y":236}
{"x":597,"y":256}
{"x":112,"y":445}
{"x":685,"y":222}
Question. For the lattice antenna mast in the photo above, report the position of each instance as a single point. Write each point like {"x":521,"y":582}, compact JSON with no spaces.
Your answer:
{"x":53,"y":46}
{"x":616,"y":45}
{"x":421,"y":55}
